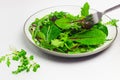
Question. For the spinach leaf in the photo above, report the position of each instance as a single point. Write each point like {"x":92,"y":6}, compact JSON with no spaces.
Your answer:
{"x":85,"y":10}
{"x":51,"y":32}
{"x":91,"y":37}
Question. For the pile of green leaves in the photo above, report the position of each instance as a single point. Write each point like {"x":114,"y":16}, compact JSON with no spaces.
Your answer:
{"x":25,"y":63}
{"x":67,"y":33}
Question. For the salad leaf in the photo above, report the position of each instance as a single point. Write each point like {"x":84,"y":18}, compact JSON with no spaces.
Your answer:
{"x":113,"y":22}
{"x":51,"y":32}
{"x":65,"y":23}
{"x":46,"y":45}
{"x":91,"y":37}
{"x":85,"y":10}
{"x":8,"y":62}
{"x":2,"y":59}
{"x":57,"y":43}
{"x":35,"y":67}
{"x":40,"y":35}
{"x":102,"y":28}
{"x":31,"y":57}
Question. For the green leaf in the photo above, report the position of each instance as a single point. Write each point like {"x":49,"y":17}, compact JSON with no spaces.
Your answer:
{"x":34,"y":33}
{"x":85,"y":10}
{"x":15,"y":58}
{"x":29,"y":67}
{"x":21,"y":53}
{"x":57,"y":43}
{"x":35,"y":68}
{"x":47,"y":45}
{"x":51,"y":32}
{"x":40,"y":35}
{"x":20,"y":69}
{"x":8,"y":62}
{"x":25,"y":61}
{"x":102,"y":28}
{"x":113,"y":22}
{"x":58,"y":15}
{"x":91,"y":37}
{"x":77,"y":51}
{"x":63,"y":23}
{"x":2,"y":59}
{"x":31,"y":57}
{"x":69,"y":44}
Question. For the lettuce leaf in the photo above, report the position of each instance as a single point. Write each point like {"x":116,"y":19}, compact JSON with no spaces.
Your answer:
{"x":91,"y":37}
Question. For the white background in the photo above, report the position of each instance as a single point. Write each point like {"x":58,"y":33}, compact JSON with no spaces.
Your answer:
{"x":13,"y":13}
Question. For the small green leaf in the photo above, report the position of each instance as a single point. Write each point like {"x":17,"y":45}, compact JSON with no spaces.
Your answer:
{"x":31,"y":57}
{"x":25,"y":62}
{"x":20,"y":69}
{"x":35,"y":68}
{"x":28,"y":69}
{"x":2,"y":59}
{"x":40,"y":35}
{"x":85,"y":10}
{"x":113,"y":22}
{"x":57,"y":43}
{"x":8,"y":62}
{"x":21,"y":53}
{"x":15,"y":58}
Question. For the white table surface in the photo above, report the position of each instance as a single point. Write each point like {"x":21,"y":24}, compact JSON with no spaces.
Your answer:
{"x":13,"y":13}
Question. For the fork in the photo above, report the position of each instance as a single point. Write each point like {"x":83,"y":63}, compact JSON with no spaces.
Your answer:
{"x":98,"y":15}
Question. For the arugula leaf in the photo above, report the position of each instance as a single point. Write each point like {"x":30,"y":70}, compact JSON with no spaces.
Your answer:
{"x":51,"y":32}
{"x":85,"y":10}
{"x":113,"y":22}
{"x":91,"y":37}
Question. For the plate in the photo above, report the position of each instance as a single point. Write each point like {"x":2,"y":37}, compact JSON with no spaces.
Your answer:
{"x":112,"y":31}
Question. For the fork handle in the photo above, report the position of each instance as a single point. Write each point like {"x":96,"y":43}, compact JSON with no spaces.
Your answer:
{"x":112,"y":8}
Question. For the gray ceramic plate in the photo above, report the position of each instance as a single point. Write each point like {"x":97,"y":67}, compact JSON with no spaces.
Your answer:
{"x":73,"y":10}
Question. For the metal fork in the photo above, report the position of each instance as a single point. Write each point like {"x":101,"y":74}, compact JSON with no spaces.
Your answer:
{"x":98,"y":15}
